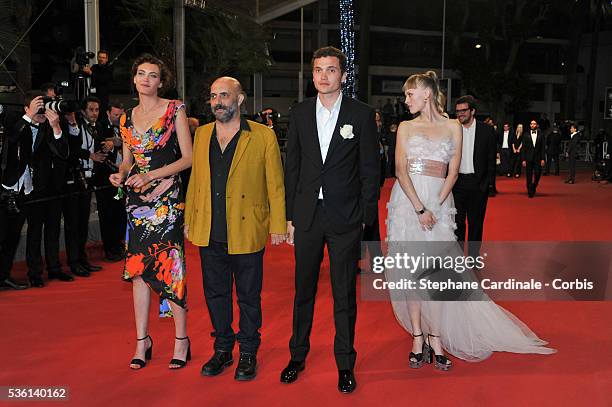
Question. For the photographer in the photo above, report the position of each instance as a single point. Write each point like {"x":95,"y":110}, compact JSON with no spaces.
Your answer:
{"x":111,"y":212}
{"x":85,"y":138}
{"x":32,"y":175}
{"x":101,"y":78}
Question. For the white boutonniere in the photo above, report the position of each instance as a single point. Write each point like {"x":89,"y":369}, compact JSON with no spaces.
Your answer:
{"x":346,"y":132}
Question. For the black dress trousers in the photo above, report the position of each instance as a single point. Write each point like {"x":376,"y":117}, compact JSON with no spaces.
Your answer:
{"x":471,"y":204}
{"x":343,"y":248}
{"x":219,"y":270}
{"x":44,"y":219}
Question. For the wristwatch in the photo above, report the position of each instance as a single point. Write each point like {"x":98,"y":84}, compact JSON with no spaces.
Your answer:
{"x":422,"y":211}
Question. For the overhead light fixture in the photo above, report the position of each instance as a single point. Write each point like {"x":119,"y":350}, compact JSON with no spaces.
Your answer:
{"x":478,"y":46}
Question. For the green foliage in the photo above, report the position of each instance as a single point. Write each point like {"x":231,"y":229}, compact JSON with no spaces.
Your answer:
{"x":215,"y":41}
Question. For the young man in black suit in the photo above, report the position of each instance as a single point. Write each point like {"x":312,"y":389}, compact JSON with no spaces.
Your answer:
{"x":331,"y":182}
{"x":533,"y":157}
{"x":36,"y":174}
{"x":476,"y":171}
{"x":572,"y":153}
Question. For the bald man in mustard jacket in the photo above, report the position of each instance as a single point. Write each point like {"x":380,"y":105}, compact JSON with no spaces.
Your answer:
{"x":235,"y":199}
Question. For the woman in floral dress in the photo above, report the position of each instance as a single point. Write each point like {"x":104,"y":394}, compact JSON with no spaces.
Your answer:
{"x":156,"y":148}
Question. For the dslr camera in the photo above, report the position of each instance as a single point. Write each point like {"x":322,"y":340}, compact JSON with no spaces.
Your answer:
{"x":58,"y":104}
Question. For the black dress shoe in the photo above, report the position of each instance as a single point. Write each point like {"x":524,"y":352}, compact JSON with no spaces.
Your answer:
{"x":36,"y":281}
{"x":346,"y":381}
{"x":90,"y":267}
{"x":292,"y":371}
{"x":247,"y":367}
{"x":61,"y":276}
{"x":217,"y":363}
{"x":10,"y":284}
{"x":79,"y":271}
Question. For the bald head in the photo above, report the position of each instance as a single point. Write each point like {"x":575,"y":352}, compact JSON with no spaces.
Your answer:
{"x":226,"y":96}
{"x":228,"y":81}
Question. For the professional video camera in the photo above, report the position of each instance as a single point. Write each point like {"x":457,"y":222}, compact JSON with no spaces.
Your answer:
{"x":82,"y":57}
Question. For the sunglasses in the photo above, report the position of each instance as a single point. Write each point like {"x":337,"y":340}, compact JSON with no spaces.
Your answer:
{"x":462,"y":110}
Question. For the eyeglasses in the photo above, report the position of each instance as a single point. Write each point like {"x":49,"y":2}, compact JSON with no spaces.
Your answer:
{"x":462,"y":110}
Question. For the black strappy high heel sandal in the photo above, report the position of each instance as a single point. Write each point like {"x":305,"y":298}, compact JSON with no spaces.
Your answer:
{"x":416,"y":359}
{"x":148,"y":355}
{"x":441,"y":361}
{"x":181,"y":363}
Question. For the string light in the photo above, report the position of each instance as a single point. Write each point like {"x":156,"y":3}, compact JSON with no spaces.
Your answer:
{"x":347,"y":42}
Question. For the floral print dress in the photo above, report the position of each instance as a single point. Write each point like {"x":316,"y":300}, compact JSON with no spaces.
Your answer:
{"x":154,"y":236}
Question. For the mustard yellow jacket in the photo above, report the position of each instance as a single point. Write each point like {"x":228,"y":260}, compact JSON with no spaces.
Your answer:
{"x":255,"y":198}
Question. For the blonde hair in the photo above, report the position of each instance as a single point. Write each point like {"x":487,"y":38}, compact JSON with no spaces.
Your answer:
{"x":519,"y":126}
{"x":429,"y":80}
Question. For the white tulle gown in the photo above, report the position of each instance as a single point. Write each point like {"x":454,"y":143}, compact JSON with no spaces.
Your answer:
{"x":470,"y":330}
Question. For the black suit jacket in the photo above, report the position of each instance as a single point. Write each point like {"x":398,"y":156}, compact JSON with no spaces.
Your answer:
{"x":531,"y":153}
{"x":44,"y":160}
{"x":553,"y":143}
{"x":500,"y":139}
{"x":77,"y":152}
{"x":350,"y":175}
{"x":572,"y":148}
{"x":485,"y":151}
{"x":102,"y":171}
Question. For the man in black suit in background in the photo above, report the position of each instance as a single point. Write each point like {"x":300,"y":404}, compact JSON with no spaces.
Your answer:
{"x":85,"y":138}
{"x":38,"y":173}
{"x":476,"y":171}
{"x":331,"y":182}
{"x":111,"y":211}
{"x":572,"y":153}
{"x":533,"y":157}
{"x":505,"y":140}
{"x":553,"y":149}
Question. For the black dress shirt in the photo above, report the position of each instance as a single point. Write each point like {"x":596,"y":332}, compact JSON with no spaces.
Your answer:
{"x":220,"y":164}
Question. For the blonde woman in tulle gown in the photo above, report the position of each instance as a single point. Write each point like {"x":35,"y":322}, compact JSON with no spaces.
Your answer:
{"x":421,"y":209}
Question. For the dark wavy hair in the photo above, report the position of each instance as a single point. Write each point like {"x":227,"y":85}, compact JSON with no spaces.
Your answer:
{"x":165,"y":75}
{"x":330,"y":52}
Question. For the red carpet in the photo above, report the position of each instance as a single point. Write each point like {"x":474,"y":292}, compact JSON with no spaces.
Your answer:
{"x":81,"y":334}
